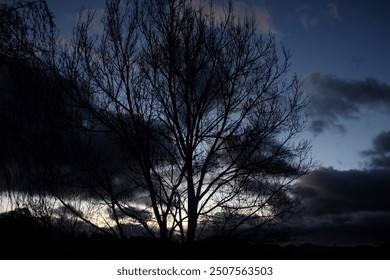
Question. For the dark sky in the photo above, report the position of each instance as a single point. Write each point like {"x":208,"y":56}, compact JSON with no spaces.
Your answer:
{"x":340,"y":49}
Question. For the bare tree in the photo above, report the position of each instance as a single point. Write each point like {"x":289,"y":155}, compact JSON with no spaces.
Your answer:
{"x":28,"y":32}
{"x":203,"y":107}
{"x":172,"y":119}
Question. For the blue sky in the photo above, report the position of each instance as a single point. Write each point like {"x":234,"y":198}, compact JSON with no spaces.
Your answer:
{"x":340,"y":49}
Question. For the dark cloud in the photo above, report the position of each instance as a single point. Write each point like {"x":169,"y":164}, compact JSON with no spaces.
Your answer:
{"x":379,"y":155}
{"x":381,"y":162}
{"x":335,"y":192}
{"x":319,"y":125}
{"x":349,"y":207}
{"x":334,"y":100}
{"x":382,"y":142}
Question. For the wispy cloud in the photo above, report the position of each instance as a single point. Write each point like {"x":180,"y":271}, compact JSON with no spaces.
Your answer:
{"x":260,"y":14}
{"x":263,"y":20}
{"x":311,"y":16}
{"x":332,"y":11}
{"x":334,"y":100}
{"x":307,"y":17}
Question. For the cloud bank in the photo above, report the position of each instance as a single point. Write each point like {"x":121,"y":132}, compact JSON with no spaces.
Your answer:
{"x":334,"y":100}
{"x":348,"y":207}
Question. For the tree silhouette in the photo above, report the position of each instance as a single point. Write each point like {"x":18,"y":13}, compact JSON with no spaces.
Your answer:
{"x":202,"y":106}
{"x":174,"y":121}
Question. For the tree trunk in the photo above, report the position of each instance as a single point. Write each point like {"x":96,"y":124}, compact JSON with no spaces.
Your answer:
{"x":192,"y":212}
{"x":192,"y":221}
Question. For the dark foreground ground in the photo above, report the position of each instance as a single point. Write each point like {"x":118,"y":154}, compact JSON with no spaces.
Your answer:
{"x":20,"y":241}
{"x":98,"y":247}
{"x":141,"y":248}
